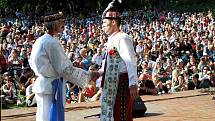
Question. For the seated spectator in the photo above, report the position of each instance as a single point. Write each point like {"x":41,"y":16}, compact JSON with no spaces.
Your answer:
{"x":185,"y":75}
{"x":9,"y":90}
{"x":179,"y":85}
{"x":24,"y":79}
{"x":146,"y":50}
{"x":3,"y":61}
{"x":139,"y":47}
{"x":168,"y":66}
{"x":74,"y":91}
{"x":24,"y":57}
{"x":163,"y":81}
{"x":30,"y":95}
{"x":146,"y":86}
{"x":199,"y":50}
{"x":211,"y":78}
{"x":15,"y":63}
{"x":201,"y":64}
{"x":205,"y":83}
{"x":27,"y":74}
{"x":180,"y":64}
{"x":144,"y":65}
{"x":191,"y":66}
{"x":154,"y":54}
{"x":207,"y":78}
{"x":175,"y":73}
{"x":194,"y":83}
{"x":204,"y":77}
{"x":85,"y":61}
{"x":97,"y":58}
{"x":97,"y":95}
{"x":90,"y":43}
{"x":90,"y":90}
{"x":156,"y":67}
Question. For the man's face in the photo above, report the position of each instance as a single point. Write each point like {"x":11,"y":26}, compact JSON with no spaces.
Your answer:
{"x":60,"y":25}
{"x":99,"y":52}
{"x":140,"y":43}
{"x":107,"y":26}
{"x":205,"y":70}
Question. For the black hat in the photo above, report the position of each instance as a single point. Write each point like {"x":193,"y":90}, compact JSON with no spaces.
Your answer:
{"x":113,"y":10}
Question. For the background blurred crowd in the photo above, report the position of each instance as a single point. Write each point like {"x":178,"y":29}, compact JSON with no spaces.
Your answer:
{"x":175,"y":52}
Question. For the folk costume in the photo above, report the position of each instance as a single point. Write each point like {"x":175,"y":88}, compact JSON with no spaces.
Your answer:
{"x":119,"y":73}
{"x":49,"y":62}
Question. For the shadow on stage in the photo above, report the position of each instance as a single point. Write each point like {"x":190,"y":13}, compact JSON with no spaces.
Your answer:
{"x":139,"y":116}
{"x":148,"y":115}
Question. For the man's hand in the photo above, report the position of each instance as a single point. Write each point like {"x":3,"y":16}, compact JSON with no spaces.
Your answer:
{"x":134,"y":92}
{"x":94,"y":75}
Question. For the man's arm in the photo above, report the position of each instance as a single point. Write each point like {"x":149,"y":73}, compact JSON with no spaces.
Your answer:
{"x":76,"y":76}
{"x":64,"y":67}
{"x":126,"y":51}
{"x":29,"y":97}
{"x":101,"y":70}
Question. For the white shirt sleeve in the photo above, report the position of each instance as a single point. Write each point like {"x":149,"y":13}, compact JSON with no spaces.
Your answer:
{"x":126,"y":51}
{"x":48,"y":60}
{"x":138,"y":49}
{"x":94,"y":59}
{"x":101,"y":70}
{"x":64,"y":67}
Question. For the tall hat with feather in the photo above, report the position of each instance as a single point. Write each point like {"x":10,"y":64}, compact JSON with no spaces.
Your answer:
{"x":113,"y":10}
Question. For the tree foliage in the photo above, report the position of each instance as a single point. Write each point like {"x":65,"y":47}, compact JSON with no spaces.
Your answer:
{"x":75,"y":7}
{"x":3,"y":4}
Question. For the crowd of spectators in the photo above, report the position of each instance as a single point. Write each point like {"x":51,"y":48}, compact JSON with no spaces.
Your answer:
{"x":175,"y":52}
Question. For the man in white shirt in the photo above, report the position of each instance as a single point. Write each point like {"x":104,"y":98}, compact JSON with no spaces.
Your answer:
{"x":119,"y":71}
{"x":30,"y":95}
{"x":139,"y":47}
{"x":97,"y":58}
{"x":49,"y":62}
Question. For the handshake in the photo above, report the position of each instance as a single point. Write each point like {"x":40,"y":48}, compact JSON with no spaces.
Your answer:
{"x":93,"y":75}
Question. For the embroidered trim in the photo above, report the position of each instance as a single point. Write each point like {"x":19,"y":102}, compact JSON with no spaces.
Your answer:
{"x":110,"y":85}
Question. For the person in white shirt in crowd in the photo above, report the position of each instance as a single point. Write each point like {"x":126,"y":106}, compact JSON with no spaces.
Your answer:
{"x":139,"y":47}
{"x":30,"y":95}
{"x":66,"y":34}
{"x":9,"y":90}
{"x":98,"y":57}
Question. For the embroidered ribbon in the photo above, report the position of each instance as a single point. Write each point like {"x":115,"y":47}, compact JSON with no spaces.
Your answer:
{"x":110,"y":87}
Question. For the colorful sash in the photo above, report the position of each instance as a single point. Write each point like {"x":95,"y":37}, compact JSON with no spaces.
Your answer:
{"x":110,"y":85}
{"x":57,"y":108}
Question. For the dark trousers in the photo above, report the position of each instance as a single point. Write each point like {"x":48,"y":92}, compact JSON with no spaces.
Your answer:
{"x":123,"y":103}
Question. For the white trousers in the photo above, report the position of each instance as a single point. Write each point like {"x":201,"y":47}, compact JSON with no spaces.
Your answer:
{"x":43,"y":106}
